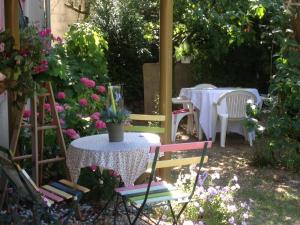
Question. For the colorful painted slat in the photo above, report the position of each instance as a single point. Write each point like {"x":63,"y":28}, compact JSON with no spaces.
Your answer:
{"x":177,"y":162}
{"x":66,"y":189}
{"x":57,"y":192}
{"x":50,"y":195}
{"x":147,"y":117}
{"x":137,"y":191}
{"x":148,"y":129}
{"x":182,"y":147}
{"x":158,"y":197}
{"x":121,"y":189}
{"x":74,"y":186}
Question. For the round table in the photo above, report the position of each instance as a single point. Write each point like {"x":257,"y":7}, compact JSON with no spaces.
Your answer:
{"x":128,"y":158}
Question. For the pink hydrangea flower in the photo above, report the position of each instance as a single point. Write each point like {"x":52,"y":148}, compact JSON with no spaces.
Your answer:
{"x":93,"y":167}
{"x":90,"y":84}
{"x":113,"y":173}
{"x":83,"y":80}
{"x":83,"y":102}
{"x":87,"y":82}
{"x":61,"y":95}
{"x":71,"y":133}
{"x":47,"y":107}
{"x":95,"y":97}
{"x":100,"y":124}
{"x":62,"y":122}
{"x":59,"y":108}
{"x":27,"y":113}
{"x":59,"y":39}
{"x":95,"y":116}
{"x":101,"y":89}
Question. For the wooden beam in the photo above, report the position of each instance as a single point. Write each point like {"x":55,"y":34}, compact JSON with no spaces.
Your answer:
{"x":166,"y":65}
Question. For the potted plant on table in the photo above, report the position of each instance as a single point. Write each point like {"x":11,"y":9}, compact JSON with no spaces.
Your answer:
{"x":115,"y":114}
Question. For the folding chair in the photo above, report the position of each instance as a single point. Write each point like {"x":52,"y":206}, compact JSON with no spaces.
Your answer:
{"x":140,"y":124}
{"x":153,"y":193}
{"x":41,"y":198}
{"x":158,"y":129}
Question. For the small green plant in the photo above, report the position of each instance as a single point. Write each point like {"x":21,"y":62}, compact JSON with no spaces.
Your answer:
{"x":119,"y":116}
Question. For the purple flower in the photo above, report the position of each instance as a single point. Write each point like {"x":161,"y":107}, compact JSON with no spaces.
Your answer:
{"x":231,"y":220}
{"x":212,"y":191}
{"x":225,"y":189}
{"x":202,"y":178}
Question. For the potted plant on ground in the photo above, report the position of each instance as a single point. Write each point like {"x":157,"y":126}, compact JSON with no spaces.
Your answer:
{"x":115,"y":114}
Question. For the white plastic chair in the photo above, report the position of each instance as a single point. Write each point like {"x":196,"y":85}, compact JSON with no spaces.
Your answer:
{"x":178,"y":115}
{"x":236,"y":102}
{"x":187,"y":110}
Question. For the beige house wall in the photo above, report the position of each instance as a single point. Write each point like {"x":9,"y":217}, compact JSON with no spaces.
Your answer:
{"x":63,"y":16}
{"x":183,"y":76}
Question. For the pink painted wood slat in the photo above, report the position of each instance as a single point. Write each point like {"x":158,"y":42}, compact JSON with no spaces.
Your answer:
{"x":181,"y":147}
{"x":50,"y":195}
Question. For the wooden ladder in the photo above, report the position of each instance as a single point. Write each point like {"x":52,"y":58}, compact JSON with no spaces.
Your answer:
{"x":37,"y":128}
{"x":290,"y":3}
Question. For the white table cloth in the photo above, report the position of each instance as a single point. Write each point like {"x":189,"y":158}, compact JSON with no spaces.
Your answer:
{"x":204,"y":99}
{"x":128,"y":158}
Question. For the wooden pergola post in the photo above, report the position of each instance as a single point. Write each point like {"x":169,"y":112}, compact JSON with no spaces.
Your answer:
{"x":13,"y":26}
{"x":166,"y":65}
{"x":12,"y":20}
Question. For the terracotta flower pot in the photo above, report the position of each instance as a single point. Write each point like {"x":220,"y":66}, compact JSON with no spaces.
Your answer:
{"x":115,"y":132}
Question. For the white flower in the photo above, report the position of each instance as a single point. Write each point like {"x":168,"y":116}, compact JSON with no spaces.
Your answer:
{"x":245,"y":216}
{"x":188,"y":222}
{"x":196,"y":204}
{"x":235,"y":178}
{"x":215,"y":176}
{"x":232,"y":208}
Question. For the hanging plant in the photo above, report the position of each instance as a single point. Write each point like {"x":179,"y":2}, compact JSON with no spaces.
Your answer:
{"x":25,"y":69}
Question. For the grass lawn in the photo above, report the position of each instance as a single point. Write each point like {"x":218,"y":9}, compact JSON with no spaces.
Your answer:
{"x":274,"y":193}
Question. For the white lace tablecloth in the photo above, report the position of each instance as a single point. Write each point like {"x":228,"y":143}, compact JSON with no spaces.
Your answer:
{"x":128,"y":158}
{"x":203,"y":100}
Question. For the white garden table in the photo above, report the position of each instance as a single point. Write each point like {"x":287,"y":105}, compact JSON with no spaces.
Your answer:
{"x":128,"y":158}
{"x":204,"y":99}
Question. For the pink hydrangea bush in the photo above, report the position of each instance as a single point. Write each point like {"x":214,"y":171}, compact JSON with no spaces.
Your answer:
{"x":80,"y":112}
{"x":213,"y":203}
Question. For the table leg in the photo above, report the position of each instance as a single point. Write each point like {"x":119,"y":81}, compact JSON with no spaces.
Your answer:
{"x":214,"y":123}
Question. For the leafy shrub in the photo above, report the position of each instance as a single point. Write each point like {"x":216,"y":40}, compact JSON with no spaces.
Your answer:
{"x":126,"y":25}
{"x":280,"y":141}
{"x":86,"y":52}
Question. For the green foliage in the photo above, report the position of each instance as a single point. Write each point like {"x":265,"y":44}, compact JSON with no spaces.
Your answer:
{"x":128,"y":26}
{"x":86,"y":49}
